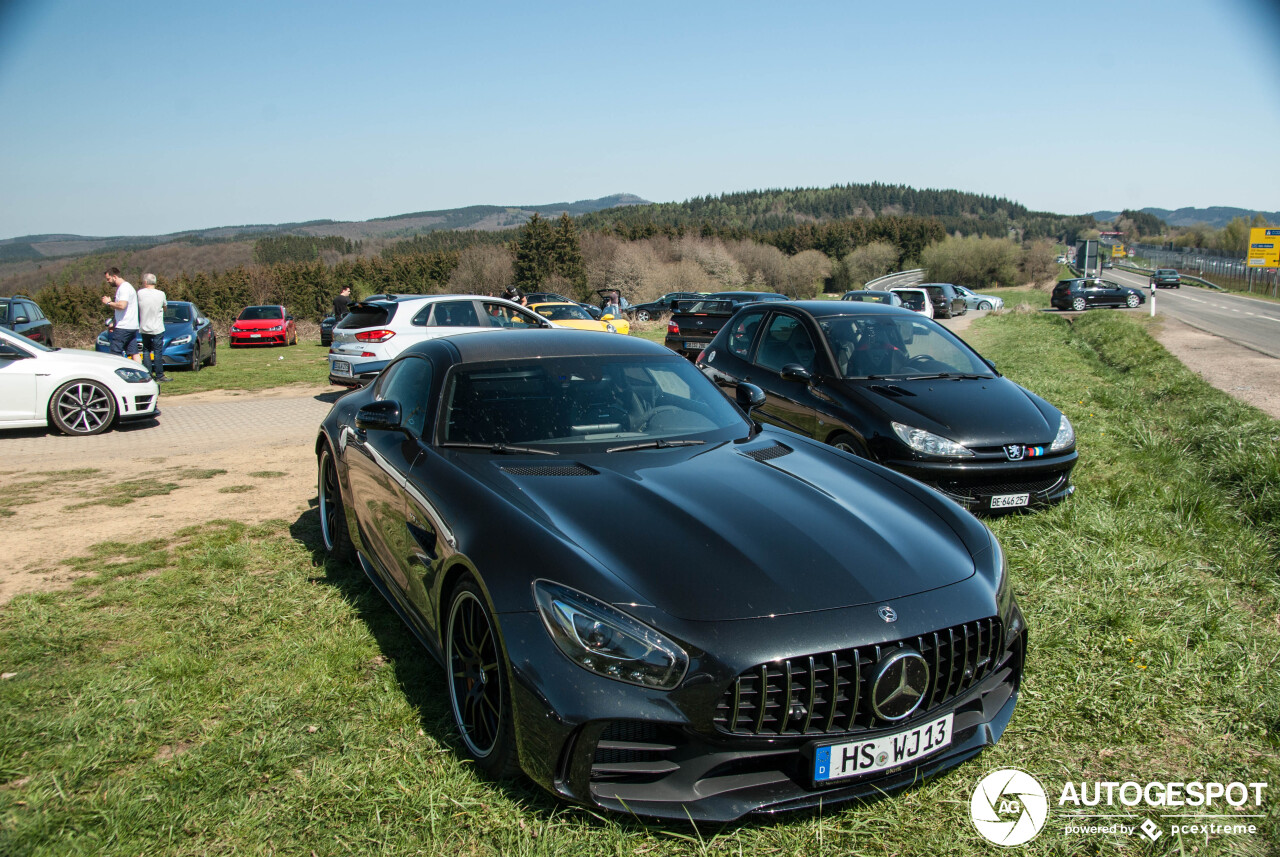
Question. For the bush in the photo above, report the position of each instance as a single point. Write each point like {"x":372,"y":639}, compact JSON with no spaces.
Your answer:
{"x":974,"y":262}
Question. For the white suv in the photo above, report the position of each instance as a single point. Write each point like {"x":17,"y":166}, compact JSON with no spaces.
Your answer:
{"x":375,"y":330}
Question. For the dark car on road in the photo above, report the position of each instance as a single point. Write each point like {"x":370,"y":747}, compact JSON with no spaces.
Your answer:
{"x":890,"y":385}
{"x":694,"y":322}
{"x":1166,"y":278}
{"x":190,"y":341}
{"x":814,"y":628}
{"x":23,"y":316}
{"x":947,"y":300}
{"x":1082,"y":293}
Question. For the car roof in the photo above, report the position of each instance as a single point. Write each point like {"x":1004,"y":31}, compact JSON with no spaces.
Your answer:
{"x":515,"y":344}
{"x":867,"y":292}
{"x":770,"y":295}
{"x":822,"y":309}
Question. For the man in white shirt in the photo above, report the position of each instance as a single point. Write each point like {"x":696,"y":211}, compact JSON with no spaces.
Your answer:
{"x":124,"y":330}
{"x":151,"y":326}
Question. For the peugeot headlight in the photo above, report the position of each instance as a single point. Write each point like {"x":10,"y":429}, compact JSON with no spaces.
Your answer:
{"x":606,"y":641}
{"x":133,"y":376}
{"x":1066,"y":435}
{"x":929,"y":443}
{"x":180,"y":340}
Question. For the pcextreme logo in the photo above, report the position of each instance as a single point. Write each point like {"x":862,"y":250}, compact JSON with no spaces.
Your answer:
{"x":1009,"y":807}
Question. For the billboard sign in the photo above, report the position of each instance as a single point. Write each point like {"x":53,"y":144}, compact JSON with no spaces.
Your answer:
{"x":1264,"y":247}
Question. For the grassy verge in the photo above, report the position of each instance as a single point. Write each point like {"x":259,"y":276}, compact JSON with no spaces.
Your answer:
{"x":254,"y":369}
{"x":229,"y":691}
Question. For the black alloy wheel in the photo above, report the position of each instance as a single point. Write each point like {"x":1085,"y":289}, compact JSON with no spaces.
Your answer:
{"x":478,"y":691}
{"x":196,"y":364}
{"x":82,"y":408}
{"x":333,"y":517}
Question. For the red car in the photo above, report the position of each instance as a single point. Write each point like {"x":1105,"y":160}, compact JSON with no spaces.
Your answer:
{"x":264,"y":325}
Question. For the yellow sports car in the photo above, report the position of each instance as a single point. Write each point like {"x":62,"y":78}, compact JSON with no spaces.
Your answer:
{"x":572,"y":315}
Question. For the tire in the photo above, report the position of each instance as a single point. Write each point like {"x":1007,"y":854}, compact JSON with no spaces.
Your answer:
{"x":642,"y":315}
{"x":1131,"y":302}
{"x":334,"y":534}
{"x":1078,"y":304}
{"x":196,"y":363}
{"x":984,"y":305}
{"x":213,"y":356}
{"x":479,"y":693}
{"x":82,"y":408}
{"x":848,"y":443}
{"x":295,"y":338}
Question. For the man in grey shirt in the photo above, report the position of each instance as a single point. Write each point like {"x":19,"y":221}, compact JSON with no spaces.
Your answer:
{"x":151,"y":325}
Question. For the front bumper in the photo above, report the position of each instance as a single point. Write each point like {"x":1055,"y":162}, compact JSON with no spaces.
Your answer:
{"x":973,"y":484}
{"x":656,"y":754}
{"x":266,"y":337}
{"x":139,"y":404}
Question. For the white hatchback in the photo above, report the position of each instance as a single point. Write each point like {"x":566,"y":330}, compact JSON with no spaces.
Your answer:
{"x":375,"y":330}
{"x":78,"y":392}
{"x":916,"y":300}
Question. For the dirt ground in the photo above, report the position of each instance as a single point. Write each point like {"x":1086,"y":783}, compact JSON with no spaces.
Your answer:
{"x":248,"y":457}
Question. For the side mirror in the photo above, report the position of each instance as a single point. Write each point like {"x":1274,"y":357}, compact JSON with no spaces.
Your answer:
{"x":795,"y":372}
{"x":381,"y":416}
{"x":749,"y":397}
{"x":22,"y":319}
{"x":607,"y":317}
{"x":288,"y":318}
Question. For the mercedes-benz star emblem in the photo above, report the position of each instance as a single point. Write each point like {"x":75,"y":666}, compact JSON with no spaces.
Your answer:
{"x":900,"y":683}
{"x":888,"y":614}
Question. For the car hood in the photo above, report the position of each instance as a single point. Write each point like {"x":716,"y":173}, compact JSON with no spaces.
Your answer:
{"x":714,"y":535}
{"x":974,"y":412}
{"x":93,"y":359}
{"x":257,"y":324}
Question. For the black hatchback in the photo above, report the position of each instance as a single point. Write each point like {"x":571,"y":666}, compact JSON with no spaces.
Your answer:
{"x":946,"y":298}
{"x":1084,"y":293}
{"x":890,"y":385}
{"x":22,"y":315}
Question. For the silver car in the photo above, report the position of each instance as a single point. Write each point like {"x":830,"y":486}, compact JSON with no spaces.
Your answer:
{"x":973,"y":300}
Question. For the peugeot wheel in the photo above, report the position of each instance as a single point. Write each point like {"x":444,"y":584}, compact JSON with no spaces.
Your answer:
{"x":848,"y":443}
{"x":479,"y":695}
{"x":333,"y":517}
{"x":82,"y":408}
{"x":1078,"y":304}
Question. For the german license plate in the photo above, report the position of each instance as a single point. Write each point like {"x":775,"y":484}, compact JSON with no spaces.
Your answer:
{"x":1010,"y":501}
{"x":255,"y":336}
{"x":856,"y":758}
{"x":695,"y":346}
{"x":342,"y":367}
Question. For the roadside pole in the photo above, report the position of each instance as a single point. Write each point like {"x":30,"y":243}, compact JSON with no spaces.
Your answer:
{"x":1153,"y":300}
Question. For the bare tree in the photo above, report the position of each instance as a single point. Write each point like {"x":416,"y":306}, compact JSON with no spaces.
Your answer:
{"x":765,"y":266}
{"x":871,"y":260}
{"x":482,"y":270}
{"x":805,"y":272}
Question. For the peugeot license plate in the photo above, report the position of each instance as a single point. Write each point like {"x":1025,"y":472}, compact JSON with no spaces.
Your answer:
{"x":342,"y":367}
{"x":1010,"y":501}
{"x":855,"y":758}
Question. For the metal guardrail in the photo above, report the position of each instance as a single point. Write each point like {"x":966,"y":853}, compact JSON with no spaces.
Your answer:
{"x":1146,"y":272}
{"x":901,"y":278}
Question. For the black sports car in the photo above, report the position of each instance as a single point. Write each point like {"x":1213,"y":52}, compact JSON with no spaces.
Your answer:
{"x":893,"y":386}
{"x":813,"y":628}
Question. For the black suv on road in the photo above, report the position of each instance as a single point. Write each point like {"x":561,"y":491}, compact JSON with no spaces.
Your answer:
{"x":22,"y":315}
{"x":947,"y":301}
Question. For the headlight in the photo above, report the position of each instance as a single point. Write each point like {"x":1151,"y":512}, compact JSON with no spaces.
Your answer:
{"x":929,"y":443}
{"x":181,"y":340}
{"x":607,"y":641}
{"x":1066,"y":435}
{"x":133,"y":376}
{"x":105,"y":336}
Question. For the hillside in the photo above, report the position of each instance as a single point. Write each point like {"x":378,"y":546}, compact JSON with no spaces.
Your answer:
{"x":1216,"y":216}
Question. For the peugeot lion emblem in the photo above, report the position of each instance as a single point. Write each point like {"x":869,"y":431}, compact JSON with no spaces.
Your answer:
{"x":900,"y":683}
{"x":1015,"y":451}
{"x":888,"y":614}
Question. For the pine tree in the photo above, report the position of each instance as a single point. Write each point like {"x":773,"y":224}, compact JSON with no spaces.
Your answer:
{"x":567,"y":254}
{"x":535,"y":254}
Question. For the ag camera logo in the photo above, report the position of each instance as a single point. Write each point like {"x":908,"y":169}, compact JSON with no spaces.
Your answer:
{"x":1009,"y":807}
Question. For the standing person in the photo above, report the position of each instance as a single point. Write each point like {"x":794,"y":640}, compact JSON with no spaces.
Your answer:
{"x":513,"y":293}
{"x":151,"y":303}
{"x":341,"y":302}
{"x":124,"y":329}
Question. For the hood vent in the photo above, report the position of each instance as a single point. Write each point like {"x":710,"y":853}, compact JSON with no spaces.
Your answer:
{"x":891,"y":390}
{"x":549,"y":470}
{"x":768,"y":452}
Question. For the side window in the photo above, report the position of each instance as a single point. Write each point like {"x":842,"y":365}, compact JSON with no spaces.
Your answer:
{"x":455,"y":314}
{"x":744,"y":331}
{"x":36,"y":315}
{"x":500,"y":315}
{"x":409,"y":383}
{"x":785,"y":341}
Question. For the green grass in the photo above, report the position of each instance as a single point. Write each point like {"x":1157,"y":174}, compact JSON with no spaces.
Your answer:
{"x":230,"y":691}
{"x":267,"y":474}
{"x":256,"y":368}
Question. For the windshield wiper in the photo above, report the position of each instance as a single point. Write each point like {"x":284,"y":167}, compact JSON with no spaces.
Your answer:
{"x":500,"y":448}
{"x":655,"y":444}
{"x":959,"y":376}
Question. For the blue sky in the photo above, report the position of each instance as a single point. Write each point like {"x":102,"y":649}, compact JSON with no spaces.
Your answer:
{"x":155,"y":117}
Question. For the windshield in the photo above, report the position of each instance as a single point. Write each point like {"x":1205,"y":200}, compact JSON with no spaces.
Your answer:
{"x":562,"y":312}
{"x":4,"y":311}
{"x":19,"y":339}
{"x":591,"y":403}
{"x":869,"y":297}
{"x":176,"y":313}
{"x":898,"y":347}
{"x":912,"y":299}
{"x":259,"y":313}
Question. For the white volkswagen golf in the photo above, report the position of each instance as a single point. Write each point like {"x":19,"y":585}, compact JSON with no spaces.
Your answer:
{"x":78,"y":392}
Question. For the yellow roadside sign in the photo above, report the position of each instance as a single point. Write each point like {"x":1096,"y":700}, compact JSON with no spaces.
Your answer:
{"x":1264,"y":247}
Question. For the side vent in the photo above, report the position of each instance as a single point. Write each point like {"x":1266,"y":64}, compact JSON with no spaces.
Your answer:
{"x":768,"y":452}
{"x":549,"y":470}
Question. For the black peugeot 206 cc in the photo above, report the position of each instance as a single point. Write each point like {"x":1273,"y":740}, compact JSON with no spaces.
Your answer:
{"x":811,"y":627}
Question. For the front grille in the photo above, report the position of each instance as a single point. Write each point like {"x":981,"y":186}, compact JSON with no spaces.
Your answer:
{"x":142,"y":403}
{"x":549,"y":470}
{"x":829,"y":692}
{"x":970,"y":490}
{"x":768,"y":452}
{"x":632,"y":751}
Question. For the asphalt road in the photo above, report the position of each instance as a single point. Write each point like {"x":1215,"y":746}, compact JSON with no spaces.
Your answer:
{"x":1249,"y":322}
